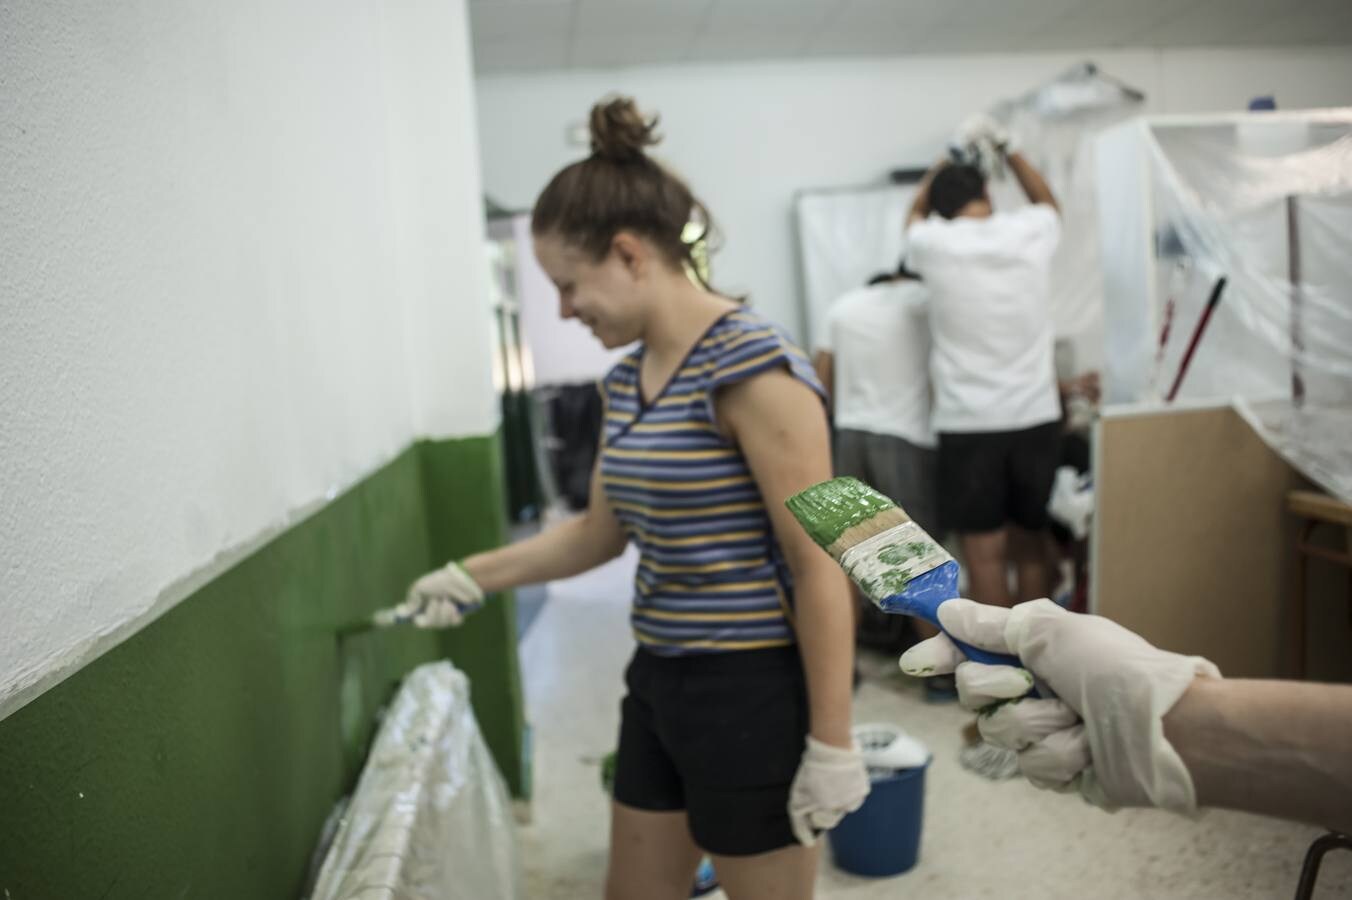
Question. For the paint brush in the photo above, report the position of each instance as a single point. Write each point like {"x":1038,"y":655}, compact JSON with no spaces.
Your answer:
{"x":382,"y":618}
{"x":898,"y":566}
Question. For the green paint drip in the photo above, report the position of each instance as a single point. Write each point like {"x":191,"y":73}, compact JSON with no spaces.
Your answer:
{"x":828,"y":510}
{"x":901,"y":558}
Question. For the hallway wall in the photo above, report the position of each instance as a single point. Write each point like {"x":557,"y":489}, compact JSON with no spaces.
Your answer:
{"x":241,"y":270}
{"x":245,"y":398}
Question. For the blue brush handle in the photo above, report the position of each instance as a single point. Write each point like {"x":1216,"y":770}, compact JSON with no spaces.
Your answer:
{"x":922,"y":598}
{"x":927,"y":608}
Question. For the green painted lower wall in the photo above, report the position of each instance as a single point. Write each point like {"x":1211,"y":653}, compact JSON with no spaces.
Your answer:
{"x":465,"y":516}
{"x":199,"y":758}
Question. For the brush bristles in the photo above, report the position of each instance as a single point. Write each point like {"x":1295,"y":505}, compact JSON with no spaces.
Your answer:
{"x":830,"y":509}
{"x":884,"y":520}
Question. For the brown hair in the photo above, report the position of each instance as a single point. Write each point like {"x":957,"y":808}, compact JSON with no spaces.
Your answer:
{"x":621,"y":188}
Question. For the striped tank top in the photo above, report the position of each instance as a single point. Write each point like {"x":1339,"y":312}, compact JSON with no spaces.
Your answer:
{"x":711,"y":577}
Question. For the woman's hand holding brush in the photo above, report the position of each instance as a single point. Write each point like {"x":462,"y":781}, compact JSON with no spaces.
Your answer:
{"x":439,"y":599}
{"x":1104,"y":735}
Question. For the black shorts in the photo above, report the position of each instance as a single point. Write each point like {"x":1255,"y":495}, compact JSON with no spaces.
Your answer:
{"x":719,"y":735}
{"x":903,"y":471}
{"x":988,"y":479}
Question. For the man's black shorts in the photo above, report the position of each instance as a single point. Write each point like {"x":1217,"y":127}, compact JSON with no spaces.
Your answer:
{"x":989,"y":479}
{"x":719,"y":735}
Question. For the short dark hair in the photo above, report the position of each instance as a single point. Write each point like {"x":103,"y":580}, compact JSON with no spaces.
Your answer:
{"x":953,"y":187}
{"x":908,"y":274}
{"x":901,"y":274}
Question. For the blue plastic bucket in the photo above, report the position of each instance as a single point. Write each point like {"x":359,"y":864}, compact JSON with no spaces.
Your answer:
{"x":882,"y":837}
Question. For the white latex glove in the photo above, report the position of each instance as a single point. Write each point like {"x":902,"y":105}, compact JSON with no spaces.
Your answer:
{"x":1105,"y":733}
{"x":1072,"y":501}
{"x":981,"y":128}
{"x":439,"y":599}
{"x":831,"y":782}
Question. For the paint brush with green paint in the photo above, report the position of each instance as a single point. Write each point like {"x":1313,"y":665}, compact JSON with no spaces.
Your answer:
{"x":897,"y":565}
{"x":382,"y":618}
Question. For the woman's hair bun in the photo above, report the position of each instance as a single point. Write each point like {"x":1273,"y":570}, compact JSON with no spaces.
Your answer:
{"x":619,"y":132}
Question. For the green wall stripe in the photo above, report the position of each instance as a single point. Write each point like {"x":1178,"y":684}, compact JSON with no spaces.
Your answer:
{"x":466,"y":515}
{"x":200,"y":757}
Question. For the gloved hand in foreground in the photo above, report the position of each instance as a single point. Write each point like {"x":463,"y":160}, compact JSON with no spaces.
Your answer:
{"x":1104,"y":734}
{"x":831,"y":782}
{"x":439,"y":599}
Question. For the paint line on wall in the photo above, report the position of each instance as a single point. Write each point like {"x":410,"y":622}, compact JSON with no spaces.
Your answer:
{"x":28,"y":686}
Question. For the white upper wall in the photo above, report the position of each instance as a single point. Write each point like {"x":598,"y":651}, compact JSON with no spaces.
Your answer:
{"x":241,"y":267}
{"x":747,"y":136}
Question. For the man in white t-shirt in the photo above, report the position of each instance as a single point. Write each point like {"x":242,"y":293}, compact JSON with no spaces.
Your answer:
{"x":874,"y":361}
{"x":996,"y":408}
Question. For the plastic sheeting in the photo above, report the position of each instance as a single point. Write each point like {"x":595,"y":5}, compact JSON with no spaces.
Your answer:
{"x":845,"y":237}
{"x":1054,"y":126}
{"x":430,"y":818}
{"x":1263,"y":201}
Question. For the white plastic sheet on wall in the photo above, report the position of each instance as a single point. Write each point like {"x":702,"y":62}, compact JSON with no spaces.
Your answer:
{"x":1263,"y":201}
{"x":430,"y":818}
{"x":845,"y":237}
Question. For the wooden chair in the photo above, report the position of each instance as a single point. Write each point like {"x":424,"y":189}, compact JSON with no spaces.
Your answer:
{"x":1314,"y":509}
{"x":1309,"y":873}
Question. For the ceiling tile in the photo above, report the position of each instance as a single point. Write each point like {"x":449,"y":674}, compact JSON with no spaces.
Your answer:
{"x":865,"y":16}
{"x":638,"y":17}
{"x":838,"y":42}
{"x":775,"y":15}
{"x":642,"y":48}
{"x":955,"y":39}
{"x":521,"y":55}
{"x":766,"y":43}
{"x":1313,"y":22}
{"x":1065,"y":40}
{"x":1214,"y":22}
{"x":502,"y":20}
{"x":996,"y":25}
{"x":995,"y":15}
{"x":1106,"y":23}
{"x":531,"y":33}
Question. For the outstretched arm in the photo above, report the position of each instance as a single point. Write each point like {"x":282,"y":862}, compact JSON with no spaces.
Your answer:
{"x":568,"y":549}
{"x":920,"y":206}
{"x":1133,"y":725}
{"x":1032,"y":182}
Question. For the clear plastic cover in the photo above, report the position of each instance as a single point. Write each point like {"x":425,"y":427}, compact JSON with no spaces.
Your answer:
{"x":1250,"y":216}
{"x":430,"y":818}
{"x":1054,"y":126}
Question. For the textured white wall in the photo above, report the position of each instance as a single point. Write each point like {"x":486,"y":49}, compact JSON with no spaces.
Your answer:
{"x":240,"y":268}
{"x":748,"y":136}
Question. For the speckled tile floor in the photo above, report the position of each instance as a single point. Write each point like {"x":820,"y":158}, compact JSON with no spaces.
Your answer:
{"x":1005,"y":841}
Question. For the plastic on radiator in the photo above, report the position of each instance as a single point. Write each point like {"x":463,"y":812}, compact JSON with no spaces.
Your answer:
{"x":431,"y":817}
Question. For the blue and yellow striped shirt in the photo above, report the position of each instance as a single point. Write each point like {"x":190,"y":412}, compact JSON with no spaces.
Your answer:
{"x":711,"y":577}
